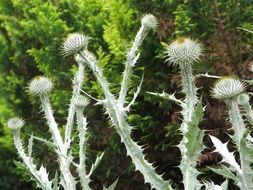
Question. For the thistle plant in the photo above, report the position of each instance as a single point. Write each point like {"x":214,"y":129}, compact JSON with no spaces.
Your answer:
{"x":41,"y":86}
{"x":231,"y":91}
{"x":183,"y":53}
{"x":116,"y":108}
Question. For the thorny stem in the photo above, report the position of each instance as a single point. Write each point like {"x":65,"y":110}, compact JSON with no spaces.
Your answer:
{"x":117,"y":115}
{"x":77,"y":86}
{"x":68,"y":180}
{"x":130,"y":62}
{"x":190,"y":91}
{"x":239,"y":128}
{"x":81,"y":125}
{"x":28,"y":162}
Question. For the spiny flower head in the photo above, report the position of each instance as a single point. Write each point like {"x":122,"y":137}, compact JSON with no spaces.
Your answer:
{"x":15,"y":123}
{"x":80,"y":101}
{"x":227,"y":87}
{"x":183,"y":51}
{"x":74,"y":43}
{"x":40,"y":85}
{"x":149,"y":21}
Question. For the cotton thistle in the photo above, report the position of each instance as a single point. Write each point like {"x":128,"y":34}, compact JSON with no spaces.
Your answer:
{"x":41,"y":86}
{"x":229,"y":89}
{"x":117,"y":110}
{"x":41,"y":175}
{"x":74,"y":43}
{"x":16,"y":123}
{"x":182,"y":53}
{"x":81,"y":102}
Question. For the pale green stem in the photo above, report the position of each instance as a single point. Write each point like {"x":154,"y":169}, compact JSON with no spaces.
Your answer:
{"x":64,"y":161}
{"x":77,"y":86}
{"x":239,"y":128}
{"x":130,"y":62}
{"x":190,"y":91}
{"x":81,"y":126}
{"x":117,"y":115}
{"x":43,"y":183}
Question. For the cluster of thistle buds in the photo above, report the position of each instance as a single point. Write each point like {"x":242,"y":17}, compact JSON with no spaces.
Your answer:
{"x":77,"y":44}
{"x":182,"y":53}
{"x":41,"y":87}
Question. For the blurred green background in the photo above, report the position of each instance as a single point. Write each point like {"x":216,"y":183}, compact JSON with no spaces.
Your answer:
{"x":31,"y":34}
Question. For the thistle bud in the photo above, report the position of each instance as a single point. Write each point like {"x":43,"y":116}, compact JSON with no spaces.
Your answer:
{"x":80,"y":101}
{"x":15,"y":123}
{"x":227,"y":87}
{"x":149,"y":21}
{"x":74,"y":43}
{"x":183,"y":51}
{"x":40,"y":85}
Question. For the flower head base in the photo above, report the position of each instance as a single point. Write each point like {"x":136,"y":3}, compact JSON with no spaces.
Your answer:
{"x":80,"y":101}
{"x":149,"y":21}
{"x":15,"y":123}
{"x":227,"y":87}
{"x":40,"y":86}
{"x":183,"y":51}
{"x":74,"y":43}
{"x":90,"y":57}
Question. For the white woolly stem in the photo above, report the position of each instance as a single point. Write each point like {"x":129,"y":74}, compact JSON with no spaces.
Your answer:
{"x":64,"y":161}
{"x":236,"y":120}
{"x":82,"y":129}
{"x":43,"y":183}
{"x":190,"y":91}
{"x":239,"y":128}
{"x":131,"y":60}
{"x":77,"y":86}
{"x":117,"y":114}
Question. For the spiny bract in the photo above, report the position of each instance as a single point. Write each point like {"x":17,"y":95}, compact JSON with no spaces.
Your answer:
{"x":183,"y":51}
{"x":74,"y":43}
{"x":40,"y":85}
{"x":80,"y":101}
{"x":16,"y":123}
{"x":227,"y":87}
